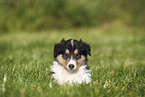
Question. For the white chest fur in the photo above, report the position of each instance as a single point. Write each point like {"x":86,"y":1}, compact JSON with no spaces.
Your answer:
{"x":61,"y":75}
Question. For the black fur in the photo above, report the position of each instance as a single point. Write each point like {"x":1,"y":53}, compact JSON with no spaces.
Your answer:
{"x":58,"y":49}
{"x":83,"y":48}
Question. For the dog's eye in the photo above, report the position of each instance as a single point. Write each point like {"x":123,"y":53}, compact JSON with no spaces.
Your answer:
{"x":77,"y":56}
{"x":65,"y":56}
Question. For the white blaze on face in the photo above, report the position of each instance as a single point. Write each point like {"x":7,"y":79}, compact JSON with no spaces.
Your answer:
{"x":72,"y":42}
{"x":72,"y":61}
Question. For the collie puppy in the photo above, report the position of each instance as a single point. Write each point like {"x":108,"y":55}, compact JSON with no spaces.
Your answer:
{"x":70,"y":62}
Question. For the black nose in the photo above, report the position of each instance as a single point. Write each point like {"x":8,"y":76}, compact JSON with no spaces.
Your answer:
{"x":71,"y":66}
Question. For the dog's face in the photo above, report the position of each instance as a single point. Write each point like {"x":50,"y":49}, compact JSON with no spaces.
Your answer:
{"x":71,"y":53}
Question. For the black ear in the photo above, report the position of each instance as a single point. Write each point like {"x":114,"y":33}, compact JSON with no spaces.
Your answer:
{"x":58,"y":49}
{"x":86,"y":48}
{"x":62,"y":41}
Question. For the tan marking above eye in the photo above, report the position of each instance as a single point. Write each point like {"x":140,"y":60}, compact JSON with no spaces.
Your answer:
{"x":67,"y":51}
{"x":76,"y":51}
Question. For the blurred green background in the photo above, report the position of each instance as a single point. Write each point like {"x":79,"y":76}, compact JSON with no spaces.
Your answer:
{"x":40,"y":15}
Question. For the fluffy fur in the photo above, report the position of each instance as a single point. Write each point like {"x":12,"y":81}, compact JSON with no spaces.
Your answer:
{"x":71,"y":63}
{"x":61,"y":75}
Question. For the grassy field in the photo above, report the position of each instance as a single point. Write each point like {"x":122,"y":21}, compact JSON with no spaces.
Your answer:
{"x":117,"y":63}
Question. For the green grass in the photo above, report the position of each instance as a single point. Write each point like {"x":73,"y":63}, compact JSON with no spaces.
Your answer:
{"x":117,"y":63}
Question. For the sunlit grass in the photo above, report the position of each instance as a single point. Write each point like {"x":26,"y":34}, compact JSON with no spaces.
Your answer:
{"x":117,"y":63}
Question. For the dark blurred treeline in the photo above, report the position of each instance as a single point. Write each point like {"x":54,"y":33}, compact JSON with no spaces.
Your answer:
{"x":36,"y":15}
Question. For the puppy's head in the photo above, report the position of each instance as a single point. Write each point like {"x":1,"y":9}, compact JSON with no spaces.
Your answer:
{"x":71,"y":53}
